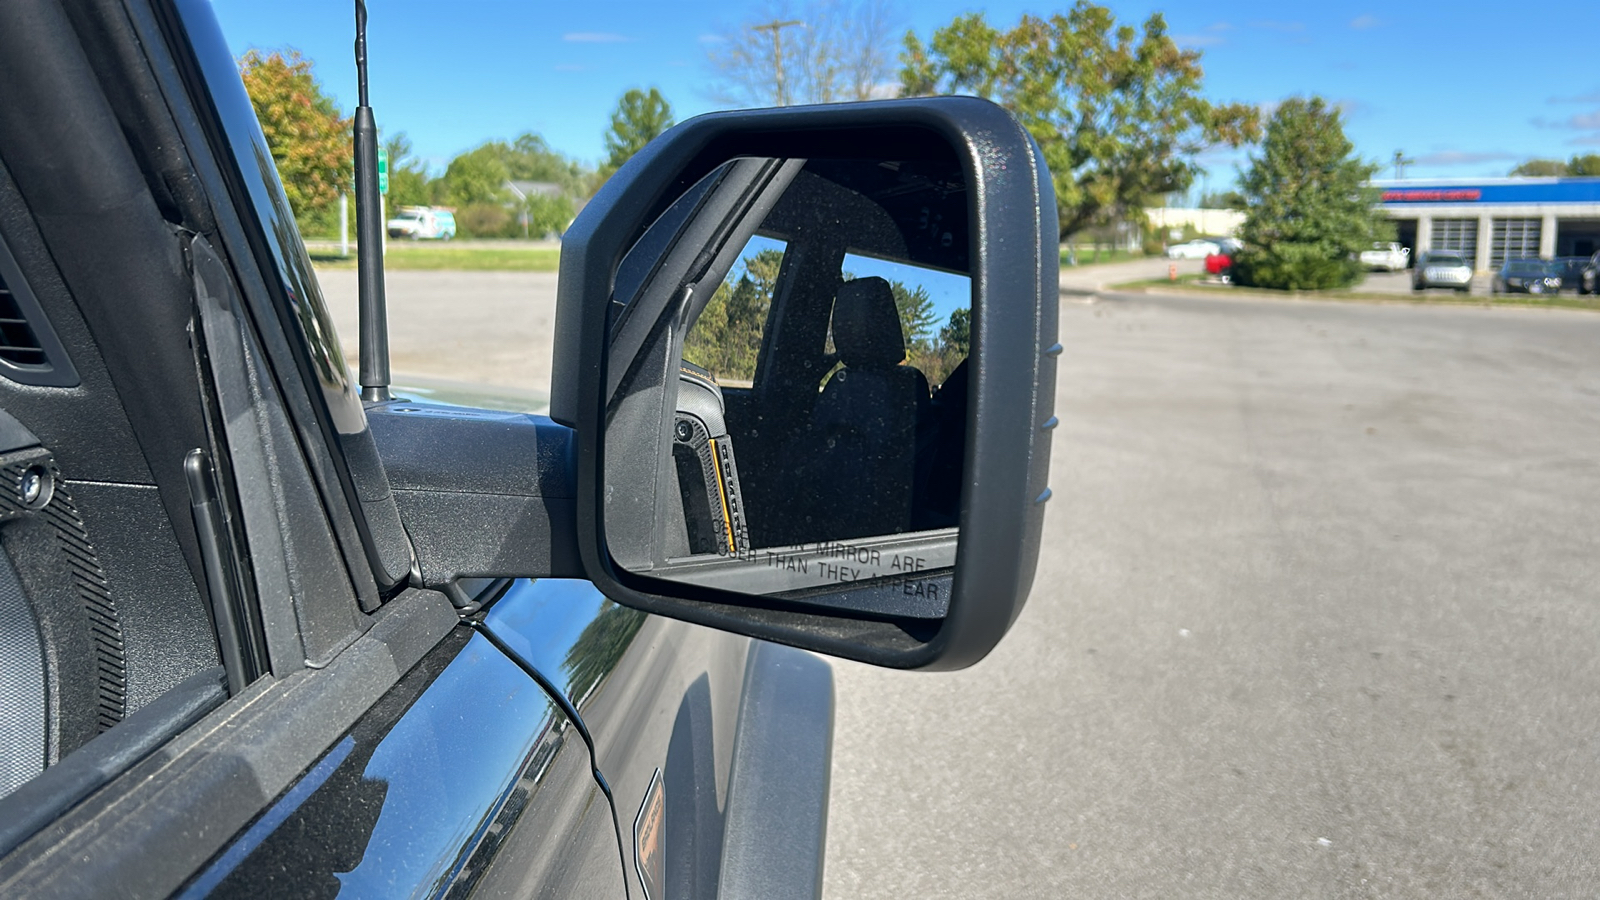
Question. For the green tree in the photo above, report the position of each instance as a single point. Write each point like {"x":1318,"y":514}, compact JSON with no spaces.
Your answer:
{"x":477,"y":176}
{"x":726,"y":338}
{"x":545,"y":215}
{"x":1222,"y":200}
{"x":1586,"y":164}
{"x":531,"y":158}
{"x":956,"y":335}
{"x":1117,"y":110}
{"x":408,"y":180}
{"x":310,"y":139}
{"x":1540,"y":168}
{"x":1310,"y":209}
{"x":917,"y":317}
{"x":638,"y":119}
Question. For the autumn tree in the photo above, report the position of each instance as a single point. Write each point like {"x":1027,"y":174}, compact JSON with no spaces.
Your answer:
{"x":1116,"y":109}
{"x":1309,"y":208}
{"x":638,"y":119}
{"x":824,"y":52}
{"x":310,"y":139}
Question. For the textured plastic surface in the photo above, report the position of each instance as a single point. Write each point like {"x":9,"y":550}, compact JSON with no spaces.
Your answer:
{"x":777,"y":825}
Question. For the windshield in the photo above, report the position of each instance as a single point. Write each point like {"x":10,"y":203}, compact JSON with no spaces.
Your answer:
{"x":1527,"y":267}
{"x":1445,"y":259}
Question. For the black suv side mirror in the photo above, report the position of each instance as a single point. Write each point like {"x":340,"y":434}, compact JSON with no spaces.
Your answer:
{"x":809,"y":357}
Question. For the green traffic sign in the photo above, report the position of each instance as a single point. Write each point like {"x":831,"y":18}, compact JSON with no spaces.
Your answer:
{"x":383,"y":171}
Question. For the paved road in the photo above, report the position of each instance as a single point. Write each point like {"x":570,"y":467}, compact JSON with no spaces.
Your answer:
{"x":1316,"y":614}
{"x":460,"y":331}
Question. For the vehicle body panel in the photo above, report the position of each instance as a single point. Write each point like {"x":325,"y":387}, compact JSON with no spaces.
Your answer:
{"x":1527,"y":276}
{"x":1197,"y":249}
{"x":466,"y":776}
{"x":1388,"y":257}
{"x":659,"y":695}
{"x":1438,"y":269}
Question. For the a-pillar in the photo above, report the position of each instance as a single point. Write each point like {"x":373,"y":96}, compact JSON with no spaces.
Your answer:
{"x":1547,"y":236}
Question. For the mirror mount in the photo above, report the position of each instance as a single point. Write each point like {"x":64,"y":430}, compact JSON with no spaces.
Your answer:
{"x":1013,"y":270}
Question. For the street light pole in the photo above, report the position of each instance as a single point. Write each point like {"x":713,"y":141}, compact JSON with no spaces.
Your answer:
{"x":775,"y":29}
{"x":1400,"y":163}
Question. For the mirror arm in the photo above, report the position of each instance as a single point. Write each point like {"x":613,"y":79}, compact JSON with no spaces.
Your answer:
{"x":482,"y":493}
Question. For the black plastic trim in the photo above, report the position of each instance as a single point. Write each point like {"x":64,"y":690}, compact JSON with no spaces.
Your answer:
{"x":776,"y":831}
{"x":57,"y":369}
{"x":1014,"y":272}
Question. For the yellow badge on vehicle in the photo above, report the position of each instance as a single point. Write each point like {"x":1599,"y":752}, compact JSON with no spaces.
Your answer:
{"x":650,"y":840}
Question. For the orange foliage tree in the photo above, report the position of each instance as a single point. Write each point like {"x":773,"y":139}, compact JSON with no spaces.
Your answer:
{"x":309,"y":137}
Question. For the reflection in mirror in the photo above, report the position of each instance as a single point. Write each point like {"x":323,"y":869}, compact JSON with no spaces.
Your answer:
{"x":790,"y":409}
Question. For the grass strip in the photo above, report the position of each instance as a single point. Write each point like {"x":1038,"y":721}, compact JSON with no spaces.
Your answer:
{"x":435,"y":258}
{"x":1546,"y":301}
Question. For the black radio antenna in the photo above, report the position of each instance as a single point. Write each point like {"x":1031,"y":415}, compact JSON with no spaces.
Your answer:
{"x":374,"y":323}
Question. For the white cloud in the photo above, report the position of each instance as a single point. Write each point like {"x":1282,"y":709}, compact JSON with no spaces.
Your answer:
{"x":1591,"y":97}
{"x":1463,"y":157}
{"x":1588,"y":121}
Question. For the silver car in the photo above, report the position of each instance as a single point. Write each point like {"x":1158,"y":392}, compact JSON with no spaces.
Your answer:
{"x":1441,"y":269}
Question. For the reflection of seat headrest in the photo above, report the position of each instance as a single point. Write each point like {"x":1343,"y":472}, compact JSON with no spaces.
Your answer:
{"x":866,"y":325}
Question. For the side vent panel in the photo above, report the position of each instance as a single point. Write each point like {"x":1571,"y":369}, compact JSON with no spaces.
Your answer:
{"x":30,"y":352}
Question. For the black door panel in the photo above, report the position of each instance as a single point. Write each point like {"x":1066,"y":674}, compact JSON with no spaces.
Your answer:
{"x":465,"y":775}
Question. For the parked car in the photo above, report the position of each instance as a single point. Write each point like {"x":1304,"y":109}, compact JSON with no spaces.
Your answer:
{"x":269,"y":631}
{"x":1387,"y":257}
{"x":1570,"y":270}
{"x":1589,"y":278}
{"x":1527,"y":276}
{"x":423,"y":223}
{"x":1196,"y":249}
{"x":1441,"y":269}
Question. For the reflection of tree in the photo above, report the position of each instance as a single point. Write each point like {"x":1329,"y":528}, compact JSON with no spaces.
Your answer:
{"x":598,"y":648}
{"x":727,"y":336}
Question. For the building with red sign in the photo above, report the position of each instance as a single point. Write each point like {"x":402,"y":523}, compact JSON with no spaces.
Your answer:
{"x":1491,"y":220}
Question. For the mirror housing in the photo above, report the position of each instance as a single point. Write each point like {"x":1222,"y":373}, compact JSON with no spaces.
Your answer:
{"x":1014,"y":262}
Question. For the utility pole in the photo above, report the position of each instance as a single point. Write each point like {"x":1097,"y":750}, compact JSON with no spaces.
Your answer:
{"x":1400,"y":163}
{"x":775,"y":29}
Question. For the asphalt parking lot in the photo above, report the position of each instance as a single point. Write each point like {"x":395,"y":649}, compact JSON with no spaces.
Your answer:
{"x":1315,"y":614}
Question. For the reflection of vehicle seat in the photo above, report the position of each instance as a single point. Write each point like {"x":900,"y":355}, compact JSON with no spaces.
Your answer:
{"x":865,"y":421}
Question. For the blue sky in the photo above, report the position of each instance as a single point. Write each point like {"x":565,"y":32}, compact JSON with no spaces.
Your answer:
{"x":1467,"y":89}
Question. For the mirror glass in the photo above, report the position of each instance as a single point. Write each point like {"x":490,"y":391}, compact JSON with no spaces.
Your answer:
{"x":788,"y":410}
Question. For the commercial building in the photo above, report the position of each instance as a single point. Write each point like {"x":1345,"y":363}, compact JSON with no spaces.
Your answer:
{"x":1491,"y":220}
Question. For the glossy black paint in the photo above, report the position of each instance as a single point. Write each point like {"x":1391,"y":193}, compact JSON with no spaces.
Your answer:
{"x":465,"y":776}
{"x":653,"y":692}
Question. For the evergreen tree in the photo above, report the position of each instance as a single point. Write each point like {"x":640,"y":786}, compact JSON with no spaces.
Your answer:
{"x":638,"y":119}
{"x":1309,"y":209}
